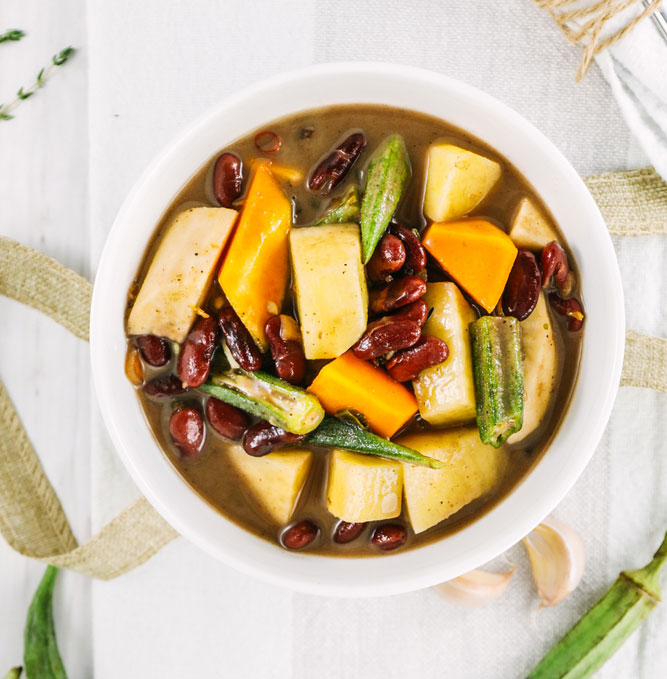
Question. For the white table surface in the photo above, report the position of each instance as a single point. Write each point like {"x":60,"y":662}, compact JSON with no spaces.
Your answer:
{"x":144,"y":70}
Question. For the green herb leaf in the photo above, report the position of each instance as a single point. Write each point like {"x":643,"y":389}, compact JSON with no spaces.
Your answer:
{"x":14,"y":673}
{"x":13,"y":34}
{"x":25,"y":93}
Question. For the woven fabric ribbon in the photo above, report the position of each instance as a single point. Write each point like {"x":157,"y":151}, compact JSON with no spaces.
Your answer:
{"x":32,"y":519}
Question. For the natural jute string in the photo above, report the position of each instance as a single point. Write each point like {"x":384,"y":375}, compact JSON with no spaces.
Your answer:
{"x":31,"y":517}
{"x":586,"y":25}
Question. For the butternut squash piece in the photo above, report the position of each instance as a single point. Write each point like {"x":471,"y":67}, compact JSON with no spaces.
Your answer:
{"x":350,"y":383}
{"x":540,"y":369}
{"x":362,"y":488}
{"x":179,"y":276}
{"x":471,"y":470}
{"x":458,"y":180}
{"x":476,"y":254}
{"x":446,"y":392}
{"x":255,"y":271}
{"x":274,"y":481}
{"x":330,"y":286}
{"x":531,"y":230}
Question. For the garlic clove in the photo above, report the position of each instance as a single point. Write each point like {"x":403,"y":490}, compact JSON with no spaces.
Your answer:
{"x":476,"y":588}
{"x":557,"y":558}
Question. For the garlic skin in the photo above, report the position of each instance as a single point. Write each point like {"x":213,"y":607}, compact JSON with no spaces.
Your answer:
{"x":476,"y":588}
{"x":557,"y":558}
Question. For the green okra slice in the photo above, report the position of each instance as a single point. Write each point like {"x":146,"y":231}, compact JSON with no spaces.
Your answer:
{"x":337,"y":433}
{"x":387,"y":176}
{"x":277,"y":401}
{"x":344,"y":210}
{"x":498,"y":372}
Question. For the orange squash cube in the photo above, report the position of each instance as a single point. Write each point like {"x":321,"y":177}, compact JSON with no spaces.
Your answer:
{"x":350,"y":383}
{"x":255,"y":270}
{"x":476,"y":254}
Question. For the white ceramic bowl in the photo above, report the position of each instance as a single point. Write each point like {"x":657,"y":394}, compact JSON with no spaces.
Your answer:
{"x":557,"y":184}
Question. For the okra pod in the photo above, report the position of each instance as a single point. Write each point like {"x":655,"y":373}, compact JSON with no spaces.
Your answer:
{"x":601,"y":631}
{"x":275,"y":400}
{"x":498,"y":372}
{"x":336,"y":433}
{"x":386,"y":178}
{"x":343,"y":210}
{"x":41,"y":657}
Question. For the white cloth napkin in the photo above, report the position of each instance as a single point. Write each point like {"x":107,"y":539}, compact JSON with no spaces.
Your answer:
{"x":635,"y":69}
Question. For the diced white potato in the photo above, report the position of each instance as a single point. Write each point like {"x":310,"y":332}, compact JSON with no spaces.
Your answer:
{"x":530,"y":228}
{"x":458,"y":180}
{"x":446,"y":392}
{"x":363,"y":488}
{"x":179,"y":276}
{"x":471,"y":470}
{"x":540,"y":369}
{"x":330,"y":285}
{"x":273,"y":482}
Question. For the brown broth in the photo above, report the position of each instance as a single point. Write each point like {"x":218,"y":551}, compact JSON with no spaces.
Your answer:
{"x":211,"y":475}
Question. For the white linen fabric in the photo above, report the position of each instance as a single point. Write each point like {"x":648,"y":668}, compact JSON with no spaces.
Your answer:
{"x":153,"y":67}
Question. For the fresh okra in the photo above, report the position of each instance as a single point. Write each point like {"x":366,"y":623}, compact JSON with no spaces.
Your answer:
{"x":601,"y":631}
{"x":386,"y":178}
{"x":344,"y":210}
{"x":498,"y":372}
{"x":337,"y":433}
{"x":40,"y":654}
{"x":275,"y":400}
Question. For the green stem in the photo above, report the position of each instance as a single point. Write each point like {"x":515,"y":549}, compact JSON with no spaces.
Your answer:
{"x":648,"y":577}
{"x":14,"y":673}
{"x":25,"y":93}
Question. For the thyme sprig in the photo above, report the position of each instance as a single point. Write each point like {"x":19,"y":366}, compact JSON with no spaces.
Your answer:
{"x":25,"y":93}
{"x":13,"y":34}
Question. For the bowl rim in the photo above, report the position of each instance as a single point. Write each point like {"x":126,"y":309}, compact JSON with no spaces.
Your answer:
{"x":528,"y":503}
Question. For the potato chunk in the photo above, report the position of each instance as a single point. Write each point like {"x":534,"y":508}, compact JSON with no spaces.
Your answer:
{"x":530,"y":228}
{"x":363,"y":488}
{"x":472,"y":470}
{"x":330,"y":284}
{"x":446,"y":392}
{"x":540,"y":369}
{"x":274,"y":481}
{"x":179,"y":276}
{"x":458,"y":180}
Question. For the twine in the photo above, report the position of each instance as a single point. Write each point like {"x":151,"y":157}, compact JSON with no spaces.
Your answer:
{"x":32,"y":519}
{"x":586,"y":25}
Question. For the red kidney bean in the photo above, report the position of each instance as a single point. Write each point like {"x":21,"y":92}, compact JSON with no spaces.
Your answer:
{"x":346,"y":532}
{"x":388,"y":258}
{"x":263,"y":437}
{"x":522,"y":289}
{"x":398,"y":293}
{"x":415,"y":253}
{"x":226,"y":419}
{"x":389,"y":536}
{"x":417,"y":312}
{"x":239,"y":340}
{"x":571,"y":308}
{"x":227,"y":179}
{"x":194,"y":359}
{"x":165,"y":385}
{"x":300,"y":535}
{"x":154,"y":350}
{"x":287,"y":354}
{"x":554,"y":263}
{"x":387,"y":334}
{"x":187,"y":430}
{"x":405,"y":365}
{"x":332,"y":169}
